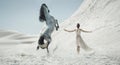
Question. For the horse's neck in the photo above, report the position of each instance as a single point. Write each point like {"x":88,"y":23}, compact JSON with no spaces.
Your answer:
{"x":50,"y":18}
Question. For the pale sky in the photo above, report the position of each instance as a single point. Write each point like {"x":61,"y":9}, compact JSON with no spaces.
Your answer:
{"x":22,"y":15}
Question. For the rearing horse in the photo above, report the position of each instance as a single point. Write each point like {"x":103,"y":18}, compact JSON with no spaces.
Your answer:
{"x":51,"y":22}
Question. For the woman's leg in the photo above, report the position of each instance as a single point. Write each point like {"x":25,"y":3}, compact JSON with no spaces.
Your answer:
{"x":78,"y":49}
{"x":78,"y":45}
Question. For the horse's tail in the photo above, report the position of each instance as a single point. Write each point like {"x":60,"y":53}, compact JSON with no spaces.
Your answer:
{"x":41,"y":40}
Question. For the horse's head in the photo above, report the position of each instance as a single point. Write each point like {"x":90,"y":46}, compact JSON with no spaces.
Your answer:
{"x":43,"y":10}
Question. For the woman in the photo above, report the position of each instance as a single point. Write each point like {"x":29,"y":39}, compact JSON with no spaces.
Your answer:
{"x":79,"y":40}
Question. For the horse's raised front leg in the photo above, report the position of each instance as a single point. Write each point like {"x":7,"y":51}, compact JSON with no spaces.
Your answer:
{"x":56,"y":25}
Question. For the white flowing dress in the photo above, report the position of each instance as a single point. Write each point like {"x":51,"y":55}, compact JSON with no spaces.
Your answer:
{"x":80,"y":42}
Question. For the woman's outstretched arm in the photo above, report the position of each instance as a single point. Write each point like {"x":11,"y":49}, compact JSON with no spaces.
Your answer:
{"x":69,"y":30}
{"x":85,"y":31}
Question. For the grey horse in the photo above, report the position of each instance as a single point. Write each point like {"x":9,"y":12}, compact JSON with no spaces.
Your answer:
{"x":51,"y":22}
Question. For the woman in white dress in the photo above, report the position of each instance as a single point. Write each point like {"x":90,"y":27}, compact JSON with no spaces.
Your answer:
{"x":79,"y":41}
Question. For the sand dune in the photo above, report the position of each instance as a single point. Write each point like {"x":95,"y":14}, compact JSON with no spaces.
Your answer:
{"x":12,"y":37}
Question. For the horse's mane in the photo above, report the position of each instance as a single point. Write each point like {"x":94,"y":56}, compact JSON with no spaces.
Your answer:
{"x":42,"y":15}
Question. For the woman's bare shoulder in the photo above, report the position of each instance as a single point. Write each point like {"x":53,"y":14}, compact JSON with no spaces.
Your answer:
{"x":75,"y":29}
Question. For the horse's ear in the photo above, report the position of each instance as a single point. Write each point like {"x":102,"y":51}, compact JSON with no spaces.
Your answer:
{"x":45,"y":6}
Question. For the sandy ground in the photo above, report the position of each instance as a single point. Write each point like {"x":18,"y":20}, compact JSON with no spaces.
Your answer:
{"x":98,"y":16}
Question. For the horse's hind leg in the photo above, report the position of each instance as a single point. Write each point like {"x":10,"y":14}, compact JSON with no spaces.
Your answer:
{"x":47,"y":50}
{"x":37,"y":47}
{"x":47,"y":47}
{"x":49,"y":40}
